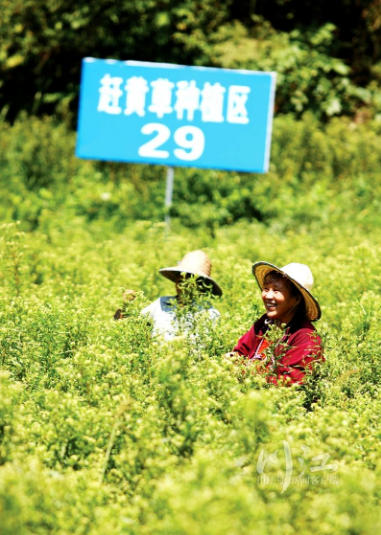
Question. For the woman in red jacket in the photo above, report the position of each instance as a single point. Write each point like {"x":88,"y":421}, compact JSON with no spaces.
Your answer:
{"x":284,"y":339}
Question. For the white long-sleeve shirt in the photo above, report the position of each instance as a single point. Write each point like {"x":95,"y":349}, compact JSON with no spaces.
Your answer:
{"x":165,"y":320}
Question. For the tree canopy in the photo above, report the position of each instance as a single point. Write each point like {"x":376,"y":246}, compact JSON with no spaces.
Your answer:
{"x":328,"y":60}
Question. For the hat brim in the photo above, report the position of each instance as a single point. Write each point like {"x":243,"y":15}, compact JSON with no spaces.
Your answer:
{"x":171,"y":273}
{"x":261,"y":269}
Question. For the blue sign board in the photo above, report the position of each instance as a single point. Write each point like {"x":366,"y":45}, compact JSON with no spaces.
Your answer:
{"x":174,"y":115}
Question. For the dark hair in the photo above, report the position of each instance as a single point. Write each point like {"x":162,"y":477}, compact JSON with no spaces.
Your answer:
{"x":273,"y":276}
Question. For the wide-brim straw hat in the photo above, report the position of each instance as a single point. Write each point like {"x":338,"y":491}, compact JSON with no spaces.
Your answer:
{"x":195,"y":263}
{"x":298,"y":274}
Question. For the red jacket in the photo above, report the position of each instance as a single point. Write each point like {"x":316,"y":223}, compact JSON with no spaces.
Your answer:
{"x":296,"y":350}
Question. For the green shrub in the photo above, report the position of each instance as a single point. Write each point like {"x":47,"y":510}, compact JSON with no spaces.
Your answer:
{"x":316,"y":170}
{"x":103,"y":428}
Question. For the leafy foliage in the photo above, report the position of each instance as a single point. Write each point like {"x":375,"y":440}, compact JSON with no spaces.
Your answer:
{"x":323,"y":67}
{"x":130,"y":435}
{"x":103,"y":429}
{"x":42,"y":180}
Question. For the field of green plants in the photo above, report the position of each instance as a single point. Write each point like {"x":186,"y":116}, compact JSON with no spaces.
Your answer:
{"x":104,"y":430}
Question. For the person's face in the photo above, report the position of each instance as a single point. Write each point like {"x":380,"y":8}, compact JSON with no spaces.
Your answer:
{"x":178,"y":283}
{"x":184,"y":286}
{"x":280,"y":304}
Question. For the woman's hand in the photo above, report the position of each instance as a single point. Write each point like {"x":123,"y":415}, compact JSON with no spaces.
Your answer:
{"x":129,"y":295}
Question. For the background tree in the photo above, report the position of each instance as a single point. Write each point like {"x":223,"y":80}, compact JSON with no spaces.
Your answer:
{"x":328,"y":61}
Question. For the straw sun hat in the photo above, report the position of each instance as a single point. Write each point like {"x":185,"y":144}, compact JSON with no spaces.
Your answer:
{"x":298,"y":274}
{"x":195,"y":263}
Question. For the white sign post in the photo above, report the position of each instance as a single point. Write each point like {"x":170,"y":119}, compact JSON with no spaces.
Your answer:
{"x":168,"y":194}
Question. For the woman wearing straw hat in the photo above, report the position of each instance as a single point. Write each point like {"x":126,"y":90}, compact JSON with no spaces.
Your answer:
{"x":172,"y":313}
{"x":291,"y":307}
{"x":165,"y":311}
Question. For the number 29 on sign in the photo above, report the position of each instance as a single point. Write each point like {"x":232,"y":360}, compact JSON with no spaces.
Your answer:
{"x":190,"y":142}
